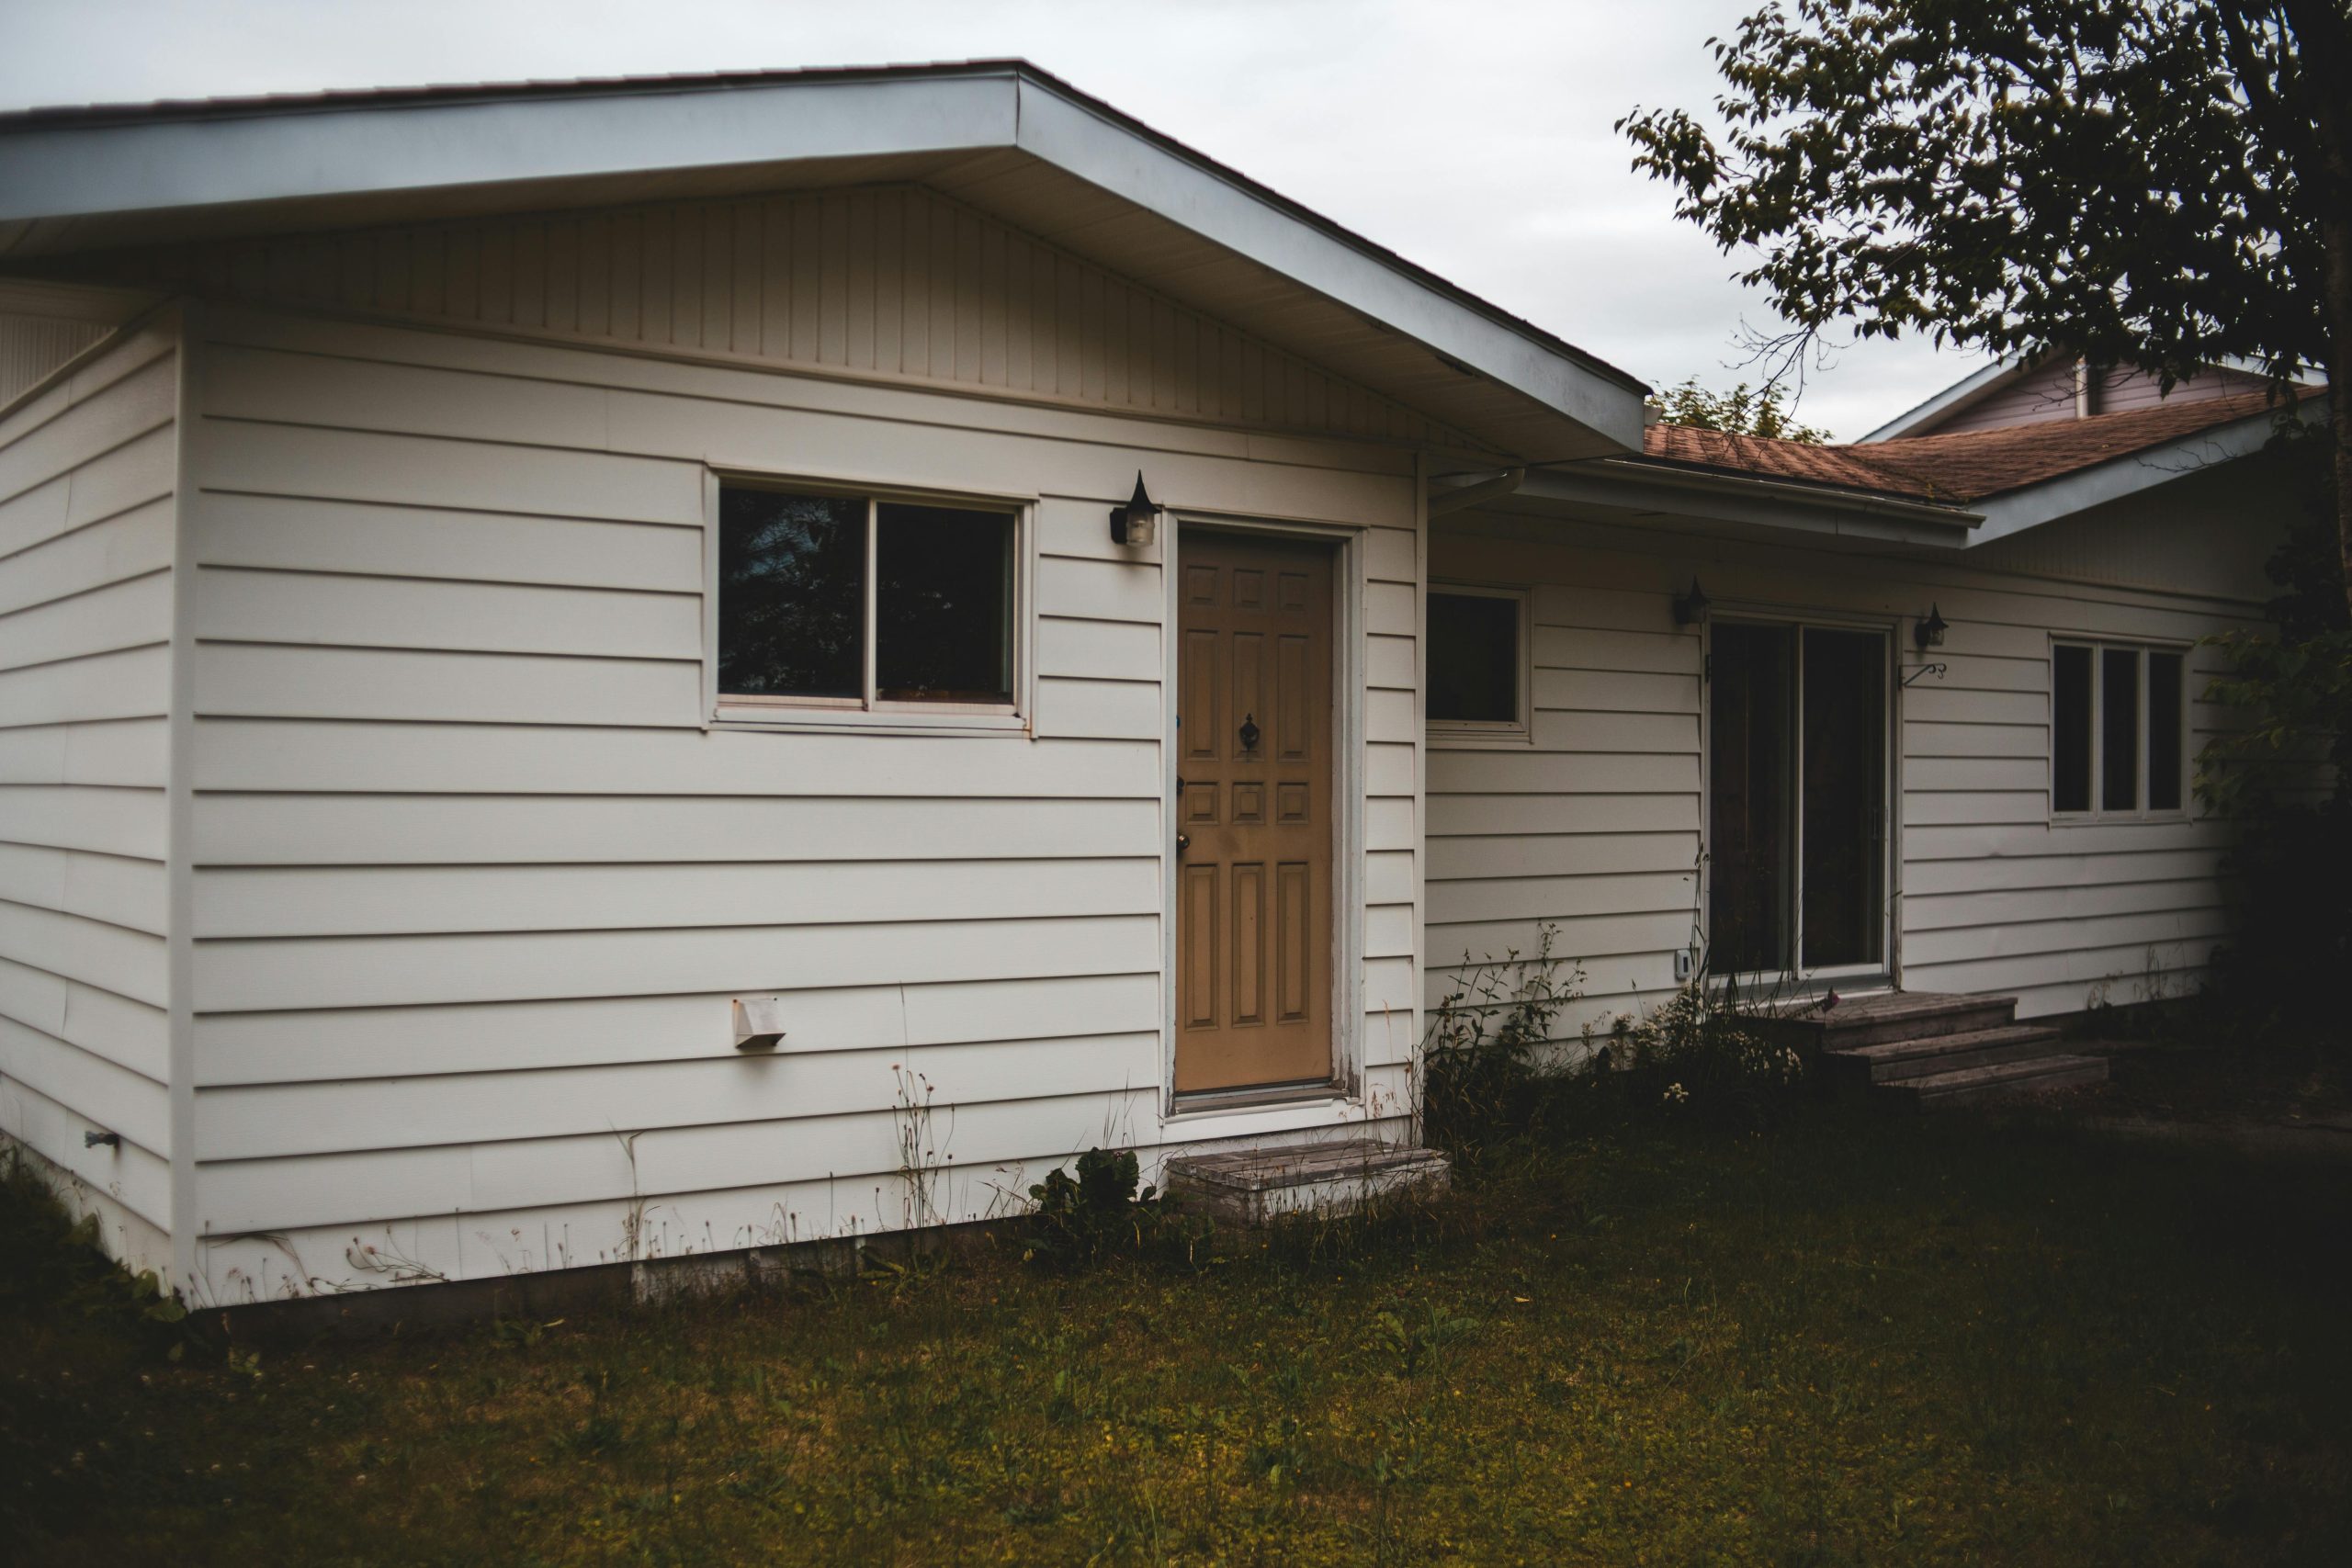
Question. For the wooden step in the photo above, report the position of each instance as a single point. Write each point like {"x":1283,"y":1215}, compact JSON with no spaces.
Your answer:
{"x":1250,"y":1187}
{"x":2030,"y":1074}
{"x":1889,"y":1016}
{"x":1896,"y":1059}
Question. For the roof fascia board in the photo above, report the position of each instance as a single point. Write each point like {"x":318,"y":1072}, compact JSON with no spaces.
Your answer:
{"x":2034,"y":505}
{"x":1763,"y":504}
{"x":1069,"y":134}
{"x":71,"y":170}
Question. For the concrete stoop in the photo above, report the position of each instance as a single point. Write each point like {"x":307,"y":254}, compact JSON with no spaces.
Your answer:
{"x":1250,"y":1187}
{"x":1922,"y":1049}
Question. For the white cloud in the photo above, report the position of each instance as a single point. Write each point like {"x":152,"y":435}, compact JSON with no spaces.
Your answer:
{"x":1473,"y":136}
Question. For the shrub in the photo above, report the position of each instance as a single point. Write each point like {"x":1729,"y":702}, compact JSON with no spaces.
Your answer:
{"x":1485,"y":1058}
{"x":1705,"y":1048}
{"x":1103,"y":1210}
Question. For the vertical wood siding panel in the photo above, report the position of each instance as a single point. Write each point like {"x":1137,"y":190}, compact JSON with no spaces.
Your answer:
{"x":530,"y":275}
{"x":832,"y":284}
{"x":914,"y":286}
{"x":719,"y":279}
{"x":857,"y":351}
{"x":895,"y":279}
{"x":563,"y":274}
{"x":889,"y":280}
{"x":627,"y":287}
{"x":656,"y":299}
{"x":1020,"y":264}
{"x":689,"y":239}
{"x":994,"y":312}
{"x":946,"y":292}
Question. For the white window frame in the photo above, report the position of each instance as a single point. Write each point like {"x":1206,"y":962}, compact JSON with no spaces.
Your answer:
{"x":2142,"y":811}
{"x":869,"y":713}
{"x":1458,"y":733}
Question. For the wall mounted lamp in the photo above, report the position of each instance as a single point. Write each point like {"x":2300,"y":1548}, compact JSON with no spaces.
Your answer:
{"x":1137,"y":523}
{"x":1691,"y":609}
{"x":1929,"y":633}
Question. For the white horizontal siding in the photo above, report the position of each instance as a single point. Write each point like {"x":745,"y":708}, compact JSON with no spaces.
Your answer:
{"x":1596,"y":825}
{"x":475,"y":881}
{"x":980,"y":1178}
{"x":87,"y":507}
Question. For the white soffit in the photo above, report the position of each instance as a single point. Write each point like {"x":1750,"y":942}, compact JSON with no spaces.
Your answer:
{"x":1002,"y":136}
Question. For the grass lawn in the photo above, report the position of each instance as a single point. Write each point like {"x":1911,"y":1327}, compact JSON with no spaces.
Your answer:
{"x":1841,"y":1341}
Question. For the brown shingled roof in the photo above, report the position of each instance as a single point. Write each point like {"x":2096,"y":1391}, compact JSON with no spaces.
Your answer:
{"x":1958,"y":469}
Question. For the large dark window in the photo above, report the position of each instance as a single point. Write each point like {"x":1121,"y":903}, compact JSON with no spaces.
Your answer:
{"x":2118,"y":715}
{"x":843,"y":601}
{"x":1474,"y":659}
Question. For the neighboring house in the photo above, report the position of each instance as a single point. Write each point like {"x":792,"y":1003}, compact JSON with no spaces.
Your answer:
{"x":571,"y":657}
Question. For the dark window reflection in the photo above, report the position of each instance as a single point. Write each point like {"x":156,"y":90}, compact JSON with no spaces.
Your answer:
{"x":943,"y":605}
{"x":791,"y":595}
{"x":2163,"y":731}
{"x":2119,"y":706}
{"x":1474,"y":658}
{"x":2070,"y":762}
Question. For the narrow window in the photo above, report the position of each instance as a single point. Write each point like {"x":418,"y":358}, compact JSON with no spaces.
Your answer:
{"x":1474,"y":659}
{"x":2165,"y":721}
{"x":2070,"y":762}
{"x":2118,"y":728}
{"x":847,"y":602}
{"x":791,"y":595}
{"x":942,"y":601}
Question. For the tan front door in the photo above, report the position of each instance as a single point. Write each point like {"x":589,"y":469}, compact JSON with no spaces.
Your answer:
{"x":1253,"y":877}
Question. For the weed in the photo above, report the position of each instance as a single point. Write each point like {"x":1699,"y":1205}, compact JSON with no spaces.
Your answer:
{"x":1104,"y":1210}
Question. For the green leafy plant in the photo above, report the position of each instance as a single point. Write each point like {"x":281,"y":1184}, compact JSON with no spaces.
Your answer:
{"x":1486,"y":1053}
{"x":1420,"y":1343}
{"x":1104,"y":1209}
{"x":2284,"y":773}
{"x":1709,"y":1047}
{"x":1765,"y":411}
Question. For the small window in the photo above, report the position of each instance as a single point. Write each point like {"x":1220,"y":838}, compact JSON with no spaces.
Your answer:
{"x":1478,"y":660}
{"x":2117,"y":716}
{"x":843,"y":601}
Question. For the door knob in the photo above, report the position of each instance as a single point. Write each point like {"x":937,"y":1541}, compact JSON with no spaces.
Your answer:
{"x":1250,"y":732}
{"x":1183,"y":842}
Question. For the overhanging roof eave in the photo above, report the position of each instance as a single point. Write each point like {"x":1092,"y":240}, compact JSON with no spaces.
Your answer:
{"x":139,"y":178}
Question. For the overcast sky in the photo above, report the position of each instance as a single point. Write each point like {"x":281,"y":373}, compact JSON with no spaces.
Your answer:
{"x":1472,"y":136}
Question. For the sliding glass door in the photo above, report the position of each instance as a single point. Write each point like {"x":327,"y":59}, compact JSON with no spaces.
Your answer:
{"x":1797,"y":787}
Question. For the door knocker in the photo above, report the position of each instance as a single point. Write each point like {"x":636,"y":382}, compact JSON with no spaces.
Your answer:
{"x":1249,"y":732}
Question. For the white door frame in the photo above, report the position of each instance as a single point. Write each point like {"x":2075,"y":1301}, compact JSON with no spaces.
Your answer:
{"x":1311,"y":1107}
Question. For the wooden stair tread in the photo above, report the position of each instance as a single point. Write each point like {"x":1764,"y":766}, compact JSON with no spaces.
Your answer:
{"x":1947,"y":1044}
{"x":2055,"y":1071}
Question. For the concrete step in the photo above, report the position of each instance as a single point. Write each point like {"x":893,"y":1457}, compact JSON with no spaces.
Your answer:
{"x":1248,"y":1187}
{"x":1889,"y":1016}
{"x":2030,"y":1074}
{"x":1898,"y":1060}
